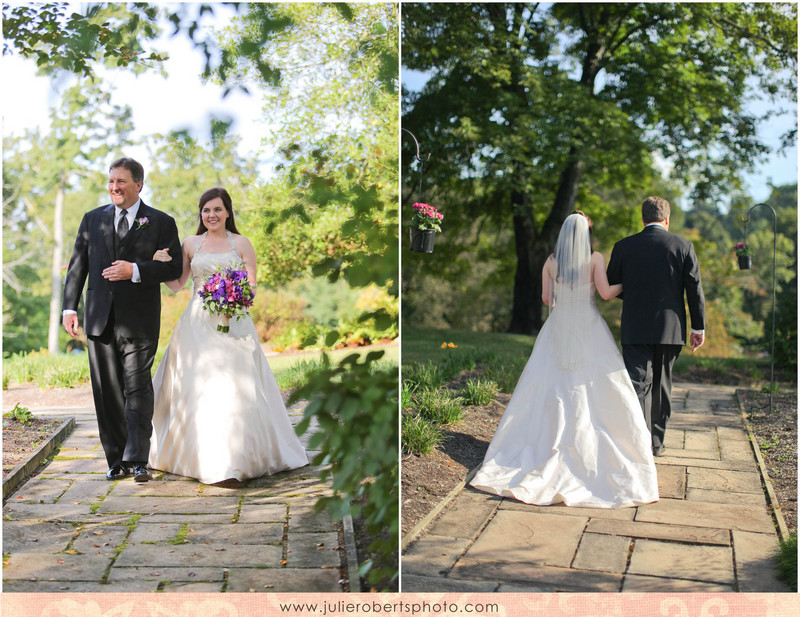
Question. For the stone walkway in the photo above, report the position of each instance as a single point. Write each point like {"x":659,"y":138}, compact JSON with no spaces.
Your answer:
{"x":69,"y":529}
{"x":711,"y":530}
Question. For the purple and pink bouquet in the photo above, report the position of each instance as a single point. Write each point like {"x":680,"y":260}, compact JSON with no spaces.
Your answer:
{"x":426,"y":217}
{"x":227,"y":293}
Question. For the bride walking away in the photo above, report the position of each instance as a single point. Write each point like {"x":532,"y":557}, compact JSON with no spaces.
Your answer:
{"x":573,"y":431}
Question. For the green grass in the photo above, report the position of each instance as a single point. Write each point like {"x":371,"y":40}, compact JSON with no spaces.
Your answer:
{"x":787,"y":562}
{"x":285,"y":362}
{"x":499,"y":357}
{"x":418,"y":435}
{"x":752,"y":368}
{"x":71,"y":370}
{"x":46,"y":371}
{"x":424,"y":345}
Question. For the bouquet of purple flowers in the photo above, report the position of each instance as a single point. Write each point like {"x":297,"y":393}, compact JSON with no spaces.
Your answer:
{"x":227,"y":293}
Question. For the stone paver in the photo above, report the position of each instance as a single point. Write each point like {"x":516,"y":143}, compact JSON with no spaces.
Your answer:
{"x":529,"y":537}
{"x":414,"y":583}
{"x":467,"y":516}
{"x":283,"y":580}
{"x":644,"y":584}
{"x":754,"y":554}
{"x":699,"y":514}
{"x":548,"y":577}
{"x":711,"y":530}
{"x":709,"y":496}
{"x":33,"y":537}
{"x":654,"y":531}
{"x":712,"y":564}
{"x":602,"y":553}
{"x":433,"y":555}
{"x":671,"y":481}
{"x":723,"y":480}
{"x":69,"y":530}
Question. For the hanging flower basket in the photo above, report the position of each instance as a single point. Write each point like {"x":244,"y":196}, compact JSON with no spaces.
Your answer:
{"x":424,"y":225}
{"x":422,"y":240}
{"x":744,"y":255}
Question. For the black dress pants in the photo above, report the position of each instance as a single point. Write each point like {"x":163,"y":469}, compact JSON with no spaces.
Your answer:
{"x":123,"y":394}
{"x":650,"y":370}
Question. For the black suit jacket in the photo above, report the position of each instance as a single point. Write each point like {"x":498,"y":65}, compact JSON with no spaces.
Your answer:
{"x":136,"y":306}
{"x":656,"y":268}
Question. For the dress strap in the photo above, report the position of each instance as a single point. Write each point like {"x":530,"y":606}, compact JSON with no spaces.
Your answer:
{"x":232,"y":244}
{"x":230,"y":240}
{"x":202,"y":240}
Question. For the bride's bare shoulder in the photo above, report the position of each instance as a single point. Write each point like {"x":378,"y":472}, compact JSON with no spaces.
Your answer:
{"x":190,"y":244}
{"x":241,"y":240}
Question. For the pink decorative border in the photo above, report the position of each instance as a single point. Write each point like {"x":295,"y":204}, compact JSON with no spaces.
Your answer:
{"x":406,"y":604}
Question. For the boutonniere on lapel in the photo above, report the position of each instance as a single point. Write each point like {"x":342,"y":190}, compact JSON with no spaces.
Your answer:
{"x":142,"y":222}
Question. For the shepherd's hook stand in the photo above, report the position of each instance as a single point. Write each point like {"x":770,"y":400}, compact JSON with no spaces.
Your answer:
{"x":420,"y":160}
{"x":746,"y":219}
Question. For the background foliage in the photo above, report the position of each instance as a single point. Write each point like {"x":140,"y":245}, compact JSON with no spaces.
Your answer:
{"x":594,"y":106}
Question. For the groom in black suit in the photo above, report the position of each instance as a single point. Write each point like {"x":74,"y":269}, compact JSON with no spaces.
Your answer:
{"x":114,"y":249}
{"x":656,"y":268}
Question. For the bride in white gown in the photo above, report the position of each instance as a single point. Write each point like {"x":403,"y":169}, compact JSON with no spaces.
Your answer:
{"x":573,"y":431}
{"x":218,"y":412}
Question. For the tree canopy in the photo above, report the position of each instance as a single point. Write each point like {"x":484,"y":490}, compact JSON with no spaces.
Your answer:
{"x":531,"y":110}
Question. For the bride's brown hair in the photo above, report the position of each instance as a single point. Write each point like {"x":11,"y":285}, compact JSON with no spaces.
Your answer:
{"x":210,"y":194}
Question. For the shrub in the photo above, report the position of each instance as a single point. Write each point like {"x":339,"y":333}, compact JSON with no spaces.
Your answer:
{"x":406,"y":394}
{"x":276,"y":312}
{"x":356,"y":408}
{"x":20,"y":414}
{"x":479,"y":391}
{"x":418,"y":435}
{"x":438,"y":406}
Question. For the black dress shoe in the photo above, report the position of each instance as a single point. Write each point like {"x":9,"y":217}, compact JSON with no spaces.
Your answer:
{"x":118,"y":471}
{"x":658,"y":450}
{"x":140,"y":474}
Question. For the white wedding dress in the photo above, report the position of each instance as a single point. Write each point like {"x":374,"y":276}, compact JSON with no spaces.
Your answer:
{"x":218,"y":411}
{"x":573,"y":431}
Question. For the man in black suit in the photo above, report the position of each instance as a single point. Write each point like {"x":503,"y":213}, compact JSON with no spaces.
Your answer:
{"x":656,"y":268}
{"x":114,"y":249}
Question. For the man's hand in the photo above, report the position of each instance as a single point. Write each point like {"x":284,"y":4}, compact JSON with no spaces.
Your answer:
{"x":696,"y":341}
{"x":70,"y":322}
{"x":119,"y":271}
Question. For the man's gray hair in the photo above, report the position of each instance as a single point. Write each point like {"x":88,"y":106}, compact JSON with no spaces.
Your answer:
{"x":655,"y":210}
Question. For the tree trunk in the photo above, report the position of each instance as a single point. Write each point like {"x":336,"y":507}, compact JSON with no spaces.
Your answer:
{"x":525,"y":316}
{"x":55,"y":272}
{"x":533,"y":248}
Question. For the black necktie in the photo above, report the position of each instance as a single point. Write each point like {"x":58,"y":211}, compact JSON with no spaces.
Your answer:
{"x":122,"y":226}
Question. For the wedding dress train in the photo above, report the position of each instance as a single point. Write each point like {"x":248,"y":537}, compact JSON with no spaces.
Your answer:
{"x":219,"y":413}
{"x":573,"y":431}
